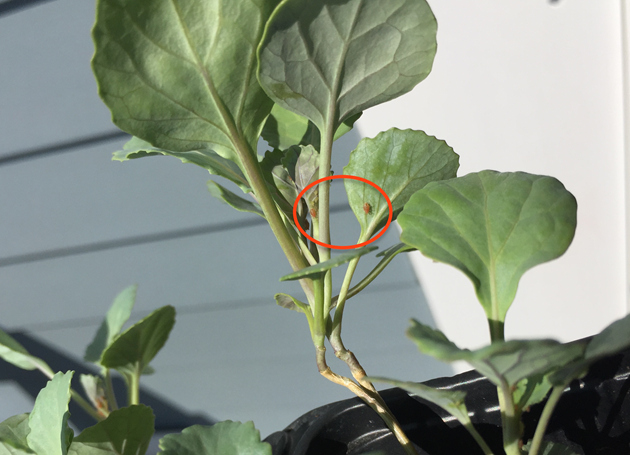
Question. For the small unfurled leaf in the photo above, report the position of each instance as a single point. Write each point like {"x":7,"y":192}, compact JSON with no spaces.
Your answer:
{"x":207,"y":159}
{"x":117,"y":315}
{"x":509,"y":361}
{"x":329,"y":60}
{"x":493,"y":227}
{"x":281,"y":179}
{"x":132,"y":351}
{"x":14,"y":353}
{"x":306,"y":172}
{"x":179,"y":85}
{"x":13,"y":433}
{"x":233,"y":200}
{"x":291,"y":303}
{"x":550,"y":448}
{"x":126,"y":431}
{"x":224,"y":438}
{"x":336,"y":261}
{"x":95,"y":391}
{"x":48,"y":421}
{"x":401,"y":163}
{"x":284,"y":129}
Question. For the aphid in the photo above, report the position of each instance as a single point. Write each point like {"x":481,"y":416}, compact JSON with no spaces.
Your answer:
{"x":313,"y":212}
{"x":367,"y":208}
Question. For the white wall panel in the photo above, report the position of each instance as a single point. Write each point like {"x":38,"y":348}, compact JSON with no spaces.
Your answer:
{"x":524,"y":85}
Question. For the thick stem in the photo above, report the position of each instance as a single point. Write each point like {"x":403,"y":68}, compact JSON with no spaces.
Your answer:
{"x":369,"y":399}
{"x":541,"y":428}
{"x":255,"y":178}
{"x":497,"y":330}
{"x":510,"y":420}
{"x":133,"y":387}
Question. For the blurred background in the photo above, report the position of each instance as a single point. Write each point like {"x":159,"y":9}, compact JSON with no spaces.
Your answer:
{"x":527,"y":85}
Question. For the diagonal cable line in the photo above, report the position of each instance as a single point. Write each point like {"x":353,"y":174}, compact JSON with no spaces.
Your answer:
{"x":139,"y":240}
{"x":61,"y":147}
{"x":13,"y":6}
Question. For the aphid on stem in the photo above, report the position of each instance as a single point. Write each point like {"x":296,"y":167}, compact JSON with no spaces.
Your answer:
{"x":367,"y":208}
{"x":313,"y":212}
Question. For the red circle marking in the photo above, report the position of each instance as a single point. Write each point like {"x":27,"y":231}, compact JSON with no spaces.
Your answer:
{"x":353,"y":177}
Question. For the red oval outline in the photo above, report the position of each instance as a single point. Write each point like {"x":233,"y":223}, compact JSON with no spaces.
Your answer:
{"x":352,"y":177}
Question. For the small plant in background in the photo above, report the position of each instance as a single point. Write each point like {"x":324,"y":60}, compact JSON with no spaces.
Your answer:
{"x":203,"y":81}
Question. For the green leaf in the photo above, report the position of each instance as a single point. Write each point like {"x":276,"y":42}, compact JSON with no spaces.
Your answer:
{"x":306,"y":172}
{"x":610,"y":341}
{"x":13,"y":433}
{"x":531,"y":391}
{"x":279,"y":178}
{"x":509,"y":361}
{"x":207,"y":159}
{"x":291,"y":303}
{"x":49,"y":419}
{"x":14,"y":353}
{"x":284,"y":128}
{"x":493,"y":227}
{"x":335,"y":261}
{"x":550,"y":448}
{"x":233,"y":200}
{"x":117,"y":315}
{"x":132,"y":351}
{"x":126,"y":431}
{"x":181,"y":74}
{"x":452,"y":401}
{"x":329,"y":60}
{"x":94,"y":389}
{"x":401,"y":163}
{"x":225,"y":438}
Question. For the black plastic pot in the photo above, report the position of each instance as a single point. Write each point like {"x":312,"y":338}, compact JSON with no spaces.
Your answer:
{"x":592,"y":417}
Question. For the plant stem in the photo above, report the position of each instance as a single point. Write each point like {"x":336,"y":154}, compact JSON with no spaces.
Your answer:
{"x":86,"y":406}
{"x":497,"y":330}
{"x":109,"y":391}
{"x":510,"y":420}
{"x":376,"y":271}
{"x":375,"y":402}
{"x":552,"y":401}
{"x":133,"y":387}
{"x":255,"y":178}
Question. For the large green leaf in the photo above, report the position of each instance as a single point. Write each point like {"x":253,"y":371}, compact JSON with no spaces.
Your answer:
{"x":48,"y":421}
{"x":401,"y":163}
{"x":132,"y":351}
{"x":224,"y":438}
{"x":335,"y":261}
{"x":13,"y":433}
{"x":284,"y":128}
{"x":504,"y":361}
{"x":117,"y":315}
{"x":126,"y":431}
{"x":493,"y":227}
{"x":330,"y":59}
{"x":207,"y":159}
{"x":14,"y":353}
{"x":180,"y":74}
